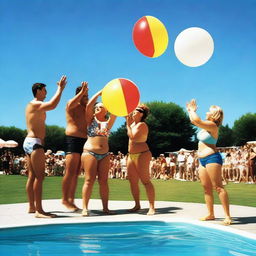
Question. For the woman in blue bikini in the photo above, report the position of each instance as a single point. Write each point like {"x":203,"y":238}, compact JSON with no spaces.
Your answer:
{"x":95,"y":157}
{"x":210,"y":159}
{"x":139,"y":157}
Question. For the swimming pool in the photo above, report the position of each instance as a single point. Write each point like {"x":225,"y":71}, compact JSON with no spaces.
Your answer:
{"x":123,"y":238}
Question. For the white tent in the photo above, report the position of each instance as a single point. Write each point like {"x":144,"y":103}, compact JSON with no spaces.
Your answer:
{"x":2,"y":142}
{"x":10,"y":144}
{"x":251,"y":142}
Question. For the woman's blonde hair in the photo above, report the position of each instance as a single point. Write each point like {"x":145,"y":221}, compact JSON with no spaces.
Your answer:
{"x":217,"y":114}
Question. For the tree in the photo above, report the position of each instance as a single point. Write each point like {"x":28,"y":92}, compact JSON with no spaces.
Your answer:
{"x":55,"y":138}
{"x":226,"y":137}
{"x":169,"y":130}
{"x":245,"y":129}
{"x":118,"y":140}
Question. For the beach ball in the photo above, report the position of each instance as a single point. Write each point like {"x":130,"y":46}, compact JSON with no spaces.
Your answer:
{"x":120,"y":96}
{"x":150,"y":36}
{"x":194,"y":47}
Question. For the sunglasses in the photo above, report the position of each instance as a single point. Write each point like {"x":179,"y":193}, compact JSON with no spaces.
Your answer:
{"x":140,"y":110}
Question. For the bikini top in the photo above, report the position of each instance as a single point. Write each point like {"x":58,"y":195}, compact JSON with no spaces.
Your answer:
{"x":206,"y":137}
{"x":97,"y":128}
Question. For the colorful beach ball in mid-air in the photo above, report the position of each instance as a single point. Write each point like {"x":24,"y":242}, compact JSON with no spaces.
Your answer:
{"x":120,"y":96}
{"x":150,"y":36}
{"x":194,"y":47}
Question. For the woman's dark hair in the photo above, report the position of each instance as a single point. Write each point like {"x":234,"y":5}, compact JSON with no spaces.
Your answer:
{"x":142,"y":108}
{"x":78,"y":89}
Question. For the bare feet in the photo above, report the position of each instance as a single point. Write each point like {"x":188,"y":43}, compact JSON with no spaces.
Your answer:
{"x":151,"y":211}
{"x":44,"y":215}
{"x":208,"y":217}
{"x":108,"y":212}
{"x":85,"y":213}
{"x":134,"y":209}
{"x":227,"y":221}
{"x":70,"y":206}
{"x":31,"y":210}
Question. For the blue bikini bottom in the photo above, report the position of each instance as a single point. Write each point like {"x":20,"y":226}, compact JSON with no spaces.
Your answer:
{"x":214,"y":158}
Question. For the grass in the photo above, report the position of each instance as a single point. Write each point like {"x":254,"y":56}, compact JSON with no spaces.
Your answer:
{"x":12,"y":190}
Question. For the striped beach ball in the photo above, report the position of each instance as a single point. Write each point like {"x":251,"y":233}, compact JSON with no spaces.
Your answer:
{"x":120,"y":96}
{"x":150,"y":36}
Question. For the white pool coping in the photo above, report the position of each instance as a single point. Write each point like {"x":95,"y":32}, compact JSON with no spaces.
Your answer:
{"x":15,"y":215}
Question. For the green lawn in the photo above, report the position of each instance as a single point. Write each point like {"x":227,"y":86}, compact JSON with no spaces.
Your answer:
{"x":12,"y":190}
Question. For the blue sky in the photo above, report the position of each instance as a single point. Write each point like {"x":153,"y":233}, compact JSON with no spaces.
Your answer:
{"x":92,"y":41}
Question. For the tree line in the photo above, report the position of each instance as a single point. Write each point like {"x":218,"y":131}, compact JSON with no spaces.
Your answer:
{"x":169,"y":130}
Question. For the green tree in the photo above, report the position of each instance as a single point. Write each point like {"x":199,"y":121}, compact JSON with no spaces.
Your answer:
{"x":226,"y":137}
{"x":55,"y":138}
{"x":169,"y":130}
{"x":244,"y":129}
{"x":118,"y":140}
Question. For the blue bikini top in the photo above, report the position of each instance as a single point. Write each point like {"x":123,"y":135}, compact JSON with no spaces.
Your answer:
{"x":206,"y":137}
{"x":97,"y":128}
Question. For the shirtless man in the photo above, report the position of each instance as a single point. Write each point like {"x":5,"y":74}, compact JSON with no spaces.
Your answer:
{"x":34,"y":142}
{"x":76,"y":135}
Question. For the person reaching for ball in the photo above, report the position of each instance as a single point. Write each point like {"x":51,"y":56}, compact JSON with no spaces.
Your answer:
{"x":209,"y":158}
{"x":95,"y":157}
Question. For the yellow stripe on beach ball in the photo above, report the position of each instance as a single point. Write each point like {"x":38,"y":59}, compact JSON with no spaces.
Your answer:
{"x":159,"y":35}
{"x":113,"y":98}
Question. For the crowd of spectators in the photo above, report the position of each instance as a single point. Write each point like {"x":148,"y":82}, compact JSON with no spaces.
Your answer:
{"x":239,"y":165}
{"x":11,"y":164}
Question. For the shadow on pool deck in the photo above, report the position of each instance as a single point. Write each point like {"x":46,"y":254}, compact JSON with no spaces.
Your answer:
{"x":163,"y":210}
{"x":244,"y":220}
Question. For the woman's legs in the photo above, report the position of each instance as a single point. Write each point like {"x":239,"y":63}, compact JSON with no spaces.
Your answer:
{"x":89,"y":163}
{"x":214,"y":172}
{"x":208,"y":195}
{"x":134,"y":184}
{"x":142,"y":167}
{"x":103,"y":171}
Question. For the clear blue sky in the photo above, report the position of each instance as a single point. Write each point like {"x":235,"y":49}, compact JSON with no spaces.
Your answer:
{"x":92,"y":41}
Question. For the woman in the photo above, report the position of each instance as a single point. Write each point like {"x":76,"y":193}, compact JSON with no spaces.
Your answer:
{"x":95,"y":157}
{"x":139,"y":157}
{"x":210,"y":159}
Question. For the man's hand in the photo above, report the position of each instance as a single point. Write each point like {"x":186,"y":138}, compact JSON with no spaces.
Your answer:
{"x":84,"y":86}
{"x":62,"y":83}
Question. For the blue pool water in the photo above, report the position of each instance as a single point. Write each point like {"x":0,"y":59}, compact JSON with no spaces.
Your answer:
{"x":123,"y":238}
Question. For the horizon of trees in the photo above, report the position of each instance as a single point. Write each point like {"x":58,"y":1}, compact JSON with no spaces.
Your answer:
{"x":169,"y":130}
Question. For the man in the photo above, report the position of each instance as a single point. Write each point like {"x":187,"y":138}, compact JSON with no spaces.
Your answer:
{"x":76,"y":135}
{"x":181,"y":159}
{"x":34,"y":142}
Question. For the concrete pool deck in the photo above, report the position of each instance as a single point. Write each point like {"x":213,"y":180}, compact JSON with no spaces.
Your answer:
{"x":244,"y":218}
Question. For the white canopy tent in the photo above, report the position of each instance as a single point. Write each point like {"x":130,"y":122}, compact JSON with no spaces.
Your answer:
{"x":8,"y":144}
